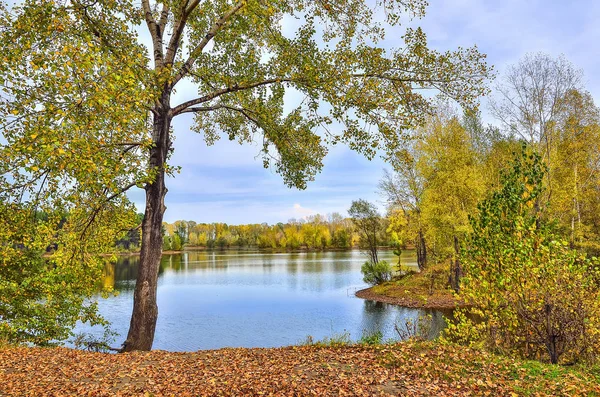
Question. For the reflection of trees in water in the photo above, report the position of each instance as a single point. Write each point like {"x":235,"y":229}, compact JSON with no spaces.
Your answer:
{"x":375,"y":317}
{"x":268,"y":266}
{"x":305,"y":270}
{"x":292,"y":265}
{"x":108,"y":275}
{"x":122,"y":274}
{"x":374,"y":307}
{"x":125,"y":272}
{"x":378,"y":315}
{"x":438,"y":321}
{"x":171,"y":261}
{"x":341,"y":266}
{"x":314,"y":266}
{"x":214,"y":260}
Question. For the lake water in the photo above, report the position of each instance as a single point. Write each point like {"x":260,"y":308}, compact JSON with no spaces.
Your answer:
{"x":209,"y":300}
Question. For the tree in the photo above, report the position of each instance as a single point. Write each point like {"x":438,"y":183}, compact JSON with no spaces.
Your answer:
{"x":41,"y":299}
{"x":543,"y":102}
{"x":574,"y":202}
{"x":530,"y":294}
{"x":132,"y":239}
{"x":403,"y":188}
{"x":182,"y":231}
{"x":61,"y":121}
{"x":368,"y":224}
{"x":376,"y":273}
{"x":76,"y":66}
{"x":434,"y":186}
{"x":493,"y":148}
{"x":453,"y":186}
{"x":531,"y":95}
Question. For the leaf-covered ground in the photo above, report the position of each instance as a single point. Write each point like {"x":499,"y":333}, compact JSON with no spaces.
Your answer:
{"x":407,"y":369}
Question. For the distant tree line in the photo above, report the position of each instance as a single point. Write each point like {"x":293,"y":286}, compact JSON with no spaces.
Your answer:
{"x":313,"y":232}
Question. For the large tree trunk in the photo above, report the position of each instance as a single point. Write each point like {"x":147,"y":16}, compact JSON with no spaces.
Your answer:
{"x":145,"y":310}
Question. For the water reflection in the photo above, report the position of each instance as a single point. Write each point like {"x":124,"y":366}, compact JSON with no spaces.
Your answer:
{"x":215,"y":299}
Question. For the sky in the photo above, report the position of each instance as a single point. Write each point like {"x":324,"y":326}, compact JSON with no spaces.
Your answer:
{"x":227,"y":183}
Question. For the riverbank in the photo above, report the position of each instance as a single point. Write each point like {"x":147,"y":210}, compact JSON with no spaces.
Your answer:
{"x":425,"y":290}
{"x":407,"y":369}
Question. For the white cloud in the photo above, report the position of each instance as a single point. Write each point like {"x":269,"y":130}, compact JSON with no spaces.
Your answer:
{"x":300,"y":212}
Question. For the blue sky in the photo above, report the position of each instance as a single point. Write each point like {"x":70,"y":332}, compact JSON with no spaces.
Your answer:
{"x":227,"y":183}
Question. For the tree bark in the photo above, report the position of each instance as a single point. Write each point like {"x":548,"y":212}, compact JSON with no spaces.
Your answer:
{"x":145,"y":309}
{"x":374,"y":243}
{"x":456,"y":269}
{"x":421,"y":251}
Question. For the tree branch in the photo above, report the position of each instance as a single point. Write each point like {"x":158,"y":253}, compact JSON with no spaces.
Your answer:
{"x":202,"y":109}
{"x":92,"y":25}
{"x":407,"y":79}
{"x":215,"y":28}
{"x":101,"y":206}
{"x":155,"y":32}
{"x":164,"y":18}
{"x":215,"y":94}
{"x":178,"y":27}
{"x":120,"y":191}
{"x":237,"y":87}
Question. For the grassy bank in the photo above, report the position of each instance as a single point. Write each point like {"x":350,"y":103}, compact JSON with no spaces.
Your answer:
{"x":428,"y":289}
{"x":407,"y":369}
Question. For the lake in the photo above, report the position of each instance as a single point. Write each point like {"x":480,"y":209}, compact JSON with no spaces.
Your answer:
{"x":215,"y":299}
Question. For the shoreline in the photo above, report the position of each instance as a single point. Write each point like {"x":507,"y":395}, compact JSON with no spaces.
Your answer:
{"x":408,"y":301}
{"x":403,"y":296}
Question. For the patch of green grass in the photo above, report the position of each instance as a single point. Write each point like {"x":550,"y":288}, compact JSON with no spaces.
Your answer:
{"x":335,"y":340}
{"x":536,"y":369}
{"x":371,"y":338}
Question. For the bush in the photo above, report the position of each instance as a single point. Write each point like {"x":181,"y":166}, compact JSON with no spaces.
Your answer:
{"x":376,"y":273}
{"x":89,"y":342}
{"x":530,"y":293}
